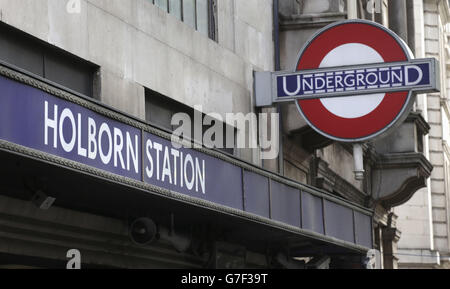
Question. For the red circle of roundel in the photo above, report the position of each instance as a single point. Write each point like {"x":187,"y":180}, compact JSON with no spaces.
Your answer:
{"x":386,"y":112}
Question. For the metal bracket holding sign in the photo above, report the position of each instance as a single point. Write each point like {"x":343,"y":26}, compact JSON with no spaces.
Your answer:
{"x":354,"y":81}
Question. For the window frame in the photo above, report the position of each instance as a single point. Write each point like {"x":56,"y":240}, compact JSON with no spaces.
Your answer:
{"x":155,"y":100}
{"x":49,"y":61}
{"x":211,"y":16}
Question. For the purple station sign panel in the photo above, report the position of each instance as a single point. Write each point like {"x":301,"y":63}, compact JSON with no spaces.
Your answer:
{"x":38,"y":120}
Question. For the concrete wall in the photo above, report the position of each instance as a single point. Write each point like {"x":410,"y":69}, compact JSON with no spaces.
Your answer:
{"x":138,"y":45}
{"x":291,"y":41}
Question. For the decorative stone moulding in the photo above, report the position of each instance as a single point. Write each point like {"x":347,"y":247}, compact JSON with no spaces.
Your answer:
{"x":400,"y":167}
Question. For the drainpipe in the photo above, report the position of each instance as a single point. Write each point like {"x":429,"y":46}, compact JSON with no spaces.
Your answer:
{"x":398,"y":18}
{"x":276,"y":28}
{"x":411,"y":26}
{"x":358,"y":157}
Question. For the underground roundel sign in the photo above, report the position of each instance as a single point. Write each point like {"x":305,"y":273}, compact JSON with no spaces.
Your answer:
{"x":353,"y":81}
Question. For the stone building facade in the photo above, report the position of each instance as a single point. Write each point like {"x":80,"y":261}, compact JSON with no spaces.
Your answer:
{"x":300,"y":20}
{"x":424,"y":220}
{"x":139,"y":62}
{"x":137,"y":49}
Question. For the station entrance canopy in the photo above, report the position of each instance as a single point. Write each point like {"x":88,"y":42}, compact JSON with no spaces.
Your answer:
{"x":43,"y":122}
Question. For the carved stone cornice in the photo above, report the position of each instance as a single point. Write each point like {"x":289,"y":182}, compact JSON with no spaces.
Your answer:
{"x":446,"y":148}
{"x":380,"y":215}
{"x":444,"y":11}
{"x":399,"y":167}
{"x":396,"y":177}
{"x":405,"y":160}
{"x":391,"y":232}
{"x":420,"y":122}
{"x":329,"y":180}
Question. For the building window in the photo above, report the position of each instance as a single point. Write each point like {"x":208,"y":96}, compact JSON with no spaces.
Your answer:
{"x":160,"y":109}
{"x":41,"y":59}
{"x":201,"y":15}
